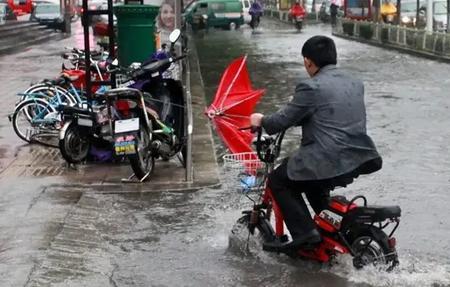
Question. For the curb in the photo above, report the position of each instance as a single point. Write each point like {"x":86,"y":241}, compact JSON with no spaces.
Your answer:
{"x":422,"y":54}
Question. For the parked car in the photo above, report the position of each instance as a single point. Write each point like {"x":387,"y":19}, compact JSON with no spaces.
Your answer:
{"x":214,"y":13}
{"x":245,"y":10}
{"x":48,"y":14}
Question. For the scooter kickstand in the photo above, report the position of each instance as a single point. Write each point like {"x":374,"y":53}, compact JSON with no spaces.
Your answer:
{"x":129,"y":179}
{"x":145,"y":177}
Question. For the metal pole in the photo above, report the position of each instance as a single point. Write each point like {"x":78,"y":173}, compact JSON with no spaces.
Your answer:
{"x":429,"y":27}
{"x":87,"y":54}
{"x":178,"y":9}
{"x":448,"y":16}
{"x":67,"y":16}
{"x":417,"y":12}
{"x":189,"y":124}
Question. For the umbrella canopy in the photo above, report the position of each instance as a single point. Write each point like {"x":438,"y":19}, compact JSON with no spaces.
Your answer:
{"x":232,"y":106}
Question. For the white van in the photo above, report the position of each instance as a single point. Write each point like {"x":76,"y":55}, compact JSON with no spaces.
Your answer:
{"x":245,"y":9}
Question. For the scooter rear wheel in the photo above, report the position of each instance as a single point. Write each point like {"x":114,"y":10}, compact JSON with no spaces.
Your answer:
{"x":74,"y":146}
{"x":371,"y":247}
{"x":143,"y":162}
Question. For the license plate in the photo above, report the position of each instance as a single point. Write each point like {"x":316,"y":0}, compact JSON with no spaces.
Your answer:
{"x":121,"y":126}
{"x":155,"y":74}
{"x":125,"y":145}
{"x":84,"y":122}
{"x":299,"y":18}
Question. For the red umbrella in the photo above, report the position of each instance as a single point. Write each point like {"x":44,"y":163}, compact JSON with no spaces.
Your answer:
{"x":232,"y":106}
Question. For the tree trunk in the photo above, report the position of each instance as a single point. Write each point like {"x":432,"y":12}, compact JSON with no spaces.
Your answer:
{"x":399,"y":7}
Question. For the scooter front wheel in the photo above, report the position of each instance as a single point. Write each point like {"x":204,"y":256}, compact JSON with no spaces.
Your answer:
{"x":261,"y":229}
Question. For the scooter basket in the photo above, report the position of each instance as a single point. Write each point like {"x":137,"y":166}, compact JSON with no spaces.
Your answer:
{"x":247,"y":167}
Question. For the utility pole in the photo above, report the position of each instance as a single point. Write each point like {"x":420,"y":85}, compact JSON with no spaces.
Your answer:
{"x":417,"y":12}
{"x":376,"y":13}
{"x":448,"y":16}
{"x":429,"y":27}
{"x":67,"y":16}
{"x":178,"y":10}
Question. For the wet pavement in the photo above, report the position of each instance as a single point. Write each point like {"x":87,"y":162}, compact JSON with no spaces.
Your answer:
{"x":18,"y":159}
{"x":58,"y":235}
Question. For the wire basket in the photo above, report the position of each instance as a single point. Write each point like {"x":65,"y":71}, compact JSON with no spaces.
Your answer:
{"x":246,"y":168}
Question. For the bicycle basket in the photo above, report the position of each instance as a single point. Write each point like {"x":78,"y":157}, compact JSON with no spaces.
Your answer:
{"x":246,"y":167}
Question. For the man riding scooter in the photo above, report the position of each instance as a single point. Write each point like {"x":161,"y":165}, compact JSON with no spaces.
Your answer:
{"x":297,"y":14}
{"x":335,"y":147}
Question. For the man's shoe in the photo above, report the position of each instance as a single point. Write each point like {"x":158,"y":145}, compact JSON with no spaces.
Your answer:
{"x":309,"y":239}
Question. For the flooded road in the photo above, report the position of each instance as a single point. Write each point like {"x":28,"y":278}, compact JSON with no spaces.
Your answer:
{"x":407,"y":103}
{"x":67,"y":236}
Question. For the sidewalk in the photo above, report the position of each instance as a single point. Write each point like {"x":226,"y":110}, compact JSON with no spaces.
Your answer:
{"x":18,"y":159}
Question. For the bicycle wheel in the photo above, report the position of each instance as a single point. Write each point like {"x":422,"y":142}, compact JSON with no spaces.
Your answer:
{"x":47,"y":92}
{"x":32,"y":117}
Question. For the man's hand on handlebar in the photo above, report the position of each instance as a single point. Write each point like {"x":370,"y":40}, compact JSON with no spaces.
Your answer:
{"x":255,"y":119}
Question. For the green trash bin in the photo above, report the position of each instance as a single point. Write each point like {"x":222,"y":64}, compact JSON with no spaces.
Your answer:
{"x":136,"y":32}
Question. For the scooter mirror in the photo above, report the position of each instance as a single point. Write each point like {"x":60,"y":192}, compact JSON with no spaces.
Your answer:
{"x":115,"y":62}
{"x":175,"y":35}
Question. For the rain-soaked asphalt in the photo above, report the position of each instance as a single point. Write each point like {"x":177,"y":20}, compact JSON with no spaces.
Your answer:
{"x":55,"y":236}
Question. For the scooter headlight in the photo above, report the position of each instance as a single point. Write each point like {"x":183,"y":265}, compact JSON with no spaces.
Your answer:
{"x":406,"y":19}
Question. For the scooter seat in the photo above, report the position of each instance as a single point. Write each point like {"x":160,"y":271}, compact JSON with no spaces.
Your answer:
{"x":373,"y":213}
{"x":70,"y":110}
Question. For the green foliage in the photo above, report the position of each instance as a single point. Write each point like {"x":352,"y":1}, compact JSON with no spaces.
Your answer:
{"x":347,"y":27}
{"x":384,"y":34}
{"x":366,"y":31}
{"x":439,"y":47}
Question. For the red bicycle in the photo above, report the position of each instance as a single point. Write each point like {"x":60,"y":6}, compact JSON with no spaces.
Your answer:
{"x":345,"y":226}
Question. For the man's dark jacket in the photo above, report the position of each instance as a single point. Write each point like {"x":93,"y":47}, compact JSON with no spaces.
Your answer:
{"x":330,"y":108}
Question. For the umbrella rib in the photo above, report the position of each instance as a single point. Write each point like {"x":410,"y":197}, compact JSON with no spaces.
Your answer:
{"x":240,"y":102}
{"x":234,"y":115}
{"x":234,"y":80}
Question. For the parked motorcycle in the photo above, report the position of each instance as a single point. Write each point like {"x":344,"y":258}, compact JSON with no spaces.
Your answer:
{"x":345,"y":226}
{"x":141,"y":121}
